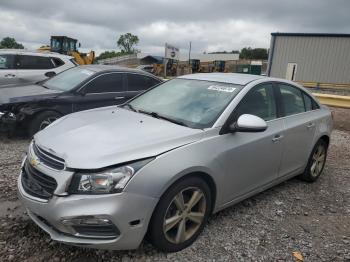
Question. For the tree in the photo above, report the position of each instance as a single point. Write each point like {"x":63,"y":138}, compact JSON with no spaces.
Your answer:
{"x":108,"y":54}
{"x":127,"y":42}
{"x":225,"y":52}
{"x":256,"y":53}
{"x":10,"y":43}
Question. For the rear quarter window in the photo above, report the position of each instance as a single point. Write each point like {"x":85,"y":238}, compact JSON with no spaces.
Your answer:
{"x":308,"y":102}
{"x":58,"y":62}
{"x":140,"y":82}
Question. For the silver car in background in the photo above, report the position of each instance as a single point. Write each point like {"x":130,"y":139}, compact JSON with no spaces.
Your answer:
{"x":163,"y":162}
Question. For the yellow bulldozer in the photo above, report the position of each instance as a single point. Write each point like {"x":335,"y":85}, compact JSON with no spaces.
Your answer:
{"x":68,"y":46}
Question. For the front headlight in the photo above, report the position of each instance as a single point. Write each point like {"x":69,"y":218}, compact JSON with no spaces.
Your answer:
{"x":106,"y":181}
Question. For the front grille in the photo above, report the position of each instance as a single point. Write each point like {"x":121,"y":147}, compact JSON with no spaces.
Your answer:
{"x":36,"y":183}
{"x":48,"y":159}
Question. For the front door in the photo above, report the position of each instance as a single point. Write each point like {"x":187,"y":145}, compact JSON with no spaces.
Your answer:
{"x":251,"y":160}
{"x":32,"y":69}
{"x":104,"y":90}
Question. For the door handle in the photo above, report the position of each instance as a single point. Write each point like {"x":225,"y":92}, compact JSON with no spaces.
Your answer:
{"x":277,"y":138}
{"x":310,"y":125}
{"x":119,"y":97}
{"x":10,"y":75}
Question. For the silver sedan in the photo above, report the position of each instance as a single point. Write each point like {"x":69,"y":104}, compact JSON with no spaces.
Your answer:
{"x":162,"y":163}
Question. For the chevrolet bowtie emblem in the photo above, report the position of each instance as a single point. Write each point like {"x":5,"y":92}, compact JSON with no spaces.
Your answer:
{"x":34,"y":162}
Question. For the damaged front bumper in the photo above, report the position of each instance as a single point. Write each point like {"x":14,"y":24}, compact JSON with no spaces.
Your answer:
{"x":8,"y":121}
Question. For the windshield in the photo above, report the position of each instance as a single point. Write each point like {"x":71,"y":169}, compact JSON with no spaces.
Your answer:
{"x":195,"y":103}
{"x":68,"y":79}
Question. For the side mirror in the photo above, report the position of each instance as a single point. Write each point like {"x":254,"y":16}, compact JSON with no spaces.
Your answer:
{"x":248,"y":123}
{"x":50,"y":74}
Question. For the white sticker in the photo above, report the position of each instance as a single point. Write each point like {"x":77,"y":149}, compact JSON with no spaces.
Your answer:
{"x":87,"y":72}
{"x":228,"y":89}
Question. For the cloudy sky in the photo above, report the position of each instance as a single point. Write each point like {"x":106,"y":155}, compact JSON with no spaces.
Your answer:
{"x":211,"y":25}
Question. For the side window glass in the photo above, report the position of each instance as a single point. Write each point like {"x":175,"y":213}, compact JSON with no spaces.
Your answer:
{"x":105,"y":84}
{"x":292,"y":100}
{"x":7,"y":61}
{"x":34,"y":62}
{"x":315,"y":105}
{"x":259,"y":101}
{"x":139,"y":82}
{"x":308,"y":102}
{"x":58,"y":62}
{"x":152,"y":82}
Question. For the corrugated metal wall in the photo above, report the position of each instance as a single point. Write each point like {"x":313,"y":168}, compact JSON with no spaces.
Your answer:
{"x":319,"y":59}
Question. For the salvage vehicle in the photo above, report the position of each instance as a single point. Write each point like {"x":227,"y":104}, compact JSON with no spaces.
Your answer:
{"x":163,"y":162}
{"x":19,"y":67}
{"x":33,"y":107}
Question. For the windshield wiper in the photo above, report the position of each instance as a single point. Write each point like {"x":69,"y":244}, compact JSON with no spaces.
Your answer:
{"x":42,"y":84}
{"x":130,"y":107}
{"x":156,"y":115}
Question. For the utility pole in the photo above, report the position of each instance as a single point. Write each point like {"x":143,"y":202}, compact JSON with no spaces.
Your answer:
{"x":189,"y":54}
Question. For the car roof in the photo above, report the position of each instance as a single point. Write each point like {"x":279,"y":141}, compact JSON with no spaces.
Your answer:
{"x":33,"y":52}
{"x":232,"y":78}
{"x":98,"y":68}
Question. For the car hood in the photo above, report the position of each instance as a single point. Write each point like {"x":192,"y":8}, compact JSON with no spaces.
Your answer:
{"x":107,"y":136}
{"x":25,"y":93}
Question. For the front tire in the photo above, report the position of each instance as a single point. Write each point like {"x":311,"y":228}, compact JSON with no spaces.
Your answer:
{"x":180,"y":215}
{"x":316,"y":163}
{"x":41,"y":121}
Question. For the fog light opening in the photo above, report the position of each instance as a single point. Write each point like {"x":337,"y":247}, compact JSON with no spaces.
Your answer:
{"x":86,"y":221}
{"x":135,"y":222}
{"x":91,"y":227}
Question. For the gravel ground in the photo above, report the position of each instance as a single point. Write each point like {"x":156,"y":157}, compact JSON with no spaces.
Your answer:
{"x":313,"y":219}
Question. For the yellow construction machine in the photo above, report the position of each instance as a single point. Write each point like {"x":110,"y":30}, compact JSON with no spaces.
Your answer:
{"x":68,"y":46}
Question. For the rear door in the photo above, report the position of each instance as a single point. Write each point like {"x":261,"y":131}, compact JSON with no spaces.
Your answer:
{"x":138,"y":83}
{"x":104,"y":90}
{"x":299,"y":124}
{"x":31,"y":69}
{"x":8,"y":73}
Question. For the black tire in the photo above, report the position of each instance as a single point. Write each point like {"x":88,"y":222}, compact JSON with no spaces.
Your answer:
{"x":156,"y":234}
{"x":41,"y":120}
{"x":309,"y":174}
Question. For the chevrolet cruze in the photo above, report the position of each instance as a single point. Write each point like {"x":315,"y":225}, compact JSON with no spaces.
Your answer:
{"x":163,"y":162}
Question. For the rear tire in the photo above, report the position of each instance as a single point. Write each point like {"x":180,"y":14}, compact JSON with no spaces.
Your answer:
{"x":41,"y":121}
{"x":316,"y":163}
{"x":180,"y":215}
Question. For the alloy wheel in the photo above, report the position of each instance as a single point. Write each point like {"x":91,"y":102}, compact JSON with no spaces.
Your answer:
{"x":318,"y":160}
{"x":184,"y":215}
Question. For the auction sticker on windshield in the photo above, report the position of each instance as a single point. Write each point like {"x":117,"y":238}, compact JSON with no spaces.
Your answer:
{"x":228,"y":89}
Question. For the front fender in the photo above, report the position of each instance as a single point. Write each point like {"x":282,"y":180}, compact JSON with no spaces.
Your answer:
{"x":157,"y":176}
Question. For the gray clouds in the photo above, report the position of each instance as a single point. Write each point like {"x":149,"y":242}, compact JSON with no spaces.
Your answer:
{"x":210,"y":25}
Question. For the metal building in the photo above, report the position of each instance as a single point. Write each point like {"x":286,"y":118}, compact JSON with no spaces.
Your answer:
{"x":305,"y":58}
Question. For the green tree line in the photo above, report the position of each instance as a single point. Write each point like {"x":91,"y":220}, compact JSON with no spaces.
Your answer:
{"x":10,"y":43}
